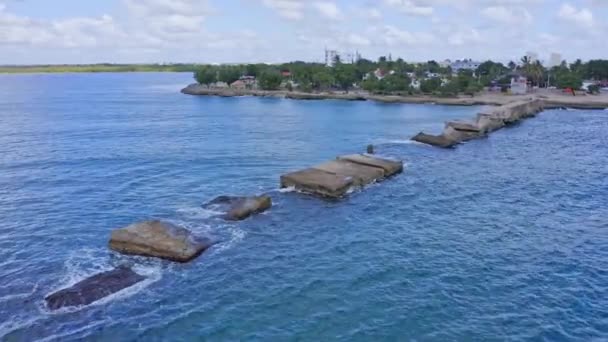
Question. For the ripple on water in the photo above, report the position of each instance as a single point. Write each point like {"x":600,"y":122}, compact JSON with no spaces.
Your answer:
{"x":501,"y":238}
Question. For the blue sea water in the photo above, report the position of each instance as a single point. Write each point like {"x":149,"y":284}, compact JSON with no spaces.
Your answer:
{"x":504,"y":238}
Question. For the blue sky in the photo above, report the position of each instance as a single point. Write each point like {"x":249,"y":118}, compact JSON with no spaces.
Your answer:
{"x":231,"y":31}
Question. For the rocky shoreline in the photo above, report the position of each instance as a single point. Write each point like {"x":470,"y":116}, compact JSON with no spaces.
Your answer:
{"x":551,"y":100}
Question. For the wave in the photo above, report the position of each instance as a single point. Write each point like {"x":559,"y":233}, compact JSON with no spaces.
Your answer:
{"x":84,"y":263}
{"x":399,"y":142}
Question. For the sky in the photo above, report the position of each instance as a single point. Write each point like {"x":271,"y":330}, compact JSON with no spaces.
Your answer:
{"x":271,"y":31}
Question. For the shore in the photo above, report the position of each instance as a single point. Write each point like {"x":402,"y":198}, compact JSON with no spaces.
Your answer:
{"x":551,"y":99}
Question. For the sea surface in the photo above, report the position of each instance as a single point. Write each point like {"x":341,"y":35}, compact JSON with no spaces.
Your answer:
{"x":504,"y":238}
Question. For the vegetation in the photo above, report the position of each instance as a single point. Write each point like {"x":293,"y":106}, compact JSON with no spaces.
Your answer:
{"x":386,"y":76}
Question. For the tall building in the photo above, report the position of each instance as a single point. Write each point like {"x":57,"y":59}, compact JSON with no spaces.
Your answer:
{"x":345,"y":57}
{"x":532,"y":56}
{"x":330,"y":57}
{"x":555,"y":59}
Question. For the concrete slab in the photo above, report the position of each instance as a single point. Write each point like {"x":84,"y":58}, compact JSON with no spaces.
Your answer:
{"x":390,"y":167}
{"x":318,"y":182}
{"x":464,"y":126}
{"x":435,"y":140}
{"x":361,"y":174}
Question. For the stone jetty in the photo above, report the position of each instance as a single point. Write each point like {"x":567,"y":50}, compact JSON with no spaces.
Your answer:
{"x":237,"y":208}
{"x":158,"y":239}
{"x":93,"y":288}
{"x":335,"y":178}
{"x":456,"y":132}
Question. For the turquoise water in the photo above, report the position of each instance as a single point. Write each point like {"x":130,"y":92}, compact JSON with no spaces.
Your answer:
{"x":504,"y":238}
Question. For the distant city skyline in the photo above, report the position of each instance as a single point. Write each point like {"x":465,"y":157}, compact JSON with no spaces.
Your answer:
{"x":243,"y":31}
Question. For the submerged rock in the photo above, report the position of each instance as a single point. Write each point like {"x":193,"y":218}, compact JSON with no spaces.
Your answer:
{"x":240,"y":207}
{"x":158,"y":239}
{"x":93,"y":288}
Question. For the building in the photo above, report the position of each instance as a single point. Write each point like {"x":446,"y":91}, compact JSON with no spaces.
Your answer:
{"x":330,"y":57}
{"x":244,"y":82}
{"x":519,"y":85}
{"x":465,"y":64}
{"x":532,"y":56}
{"x":555,"y":60}
{"x":345,"y":57}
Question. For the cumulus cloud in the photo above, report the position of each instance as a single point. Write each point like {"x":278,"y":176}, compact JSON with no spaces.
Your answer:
{"x":328,"y":9}
{"x":288,"y":9}
{"x":582,"y":18}
{"x":507,"y":15}
{"x":411,"y":7}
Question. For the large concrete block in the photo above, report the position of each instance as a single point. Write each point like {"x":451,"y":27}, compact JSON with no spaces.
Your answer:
{"x":318,"y":182}
{"x":158,"y":239}
{"x":435,"y":140}
{"x":390,"y":167}
{"x":361,"y":174}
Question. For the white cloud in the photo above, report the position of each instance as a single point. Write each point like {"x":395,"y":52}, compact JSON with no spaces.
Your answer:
{"x":328,"y":10}
{"x":412,"y":7}
{"x":393,"y":36}
{"x":582,"y":18}
{"x":288,"y":9}
{"x":506,"y":15}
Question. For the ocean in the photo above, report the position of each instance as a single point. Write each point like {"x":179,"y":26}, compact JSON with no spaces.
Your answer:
{"x":504,"y":238}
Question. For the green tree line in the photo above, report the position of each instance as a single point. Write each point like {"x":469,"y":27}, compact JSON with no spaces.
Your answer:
{"x":396,"y":75}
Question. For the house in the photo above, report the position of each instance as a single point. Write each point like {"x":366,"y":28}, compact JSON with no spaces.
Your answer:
{"x":238,"y":84}
{"x":465,"y":64}
{"x":415,"y":83}
{"x":519,"y":85}
{"x":286,"y":73}
{"x":244,"y":82}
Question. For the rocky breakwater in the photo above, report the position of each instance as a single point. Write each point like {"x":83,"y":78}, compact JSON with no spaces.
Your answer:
{"x":198,"y":89}
{"x":456,"y":132}
{"x":158,"y":239}
{"x":93,"y":288}
{"x":333,"y":179}
{"x":236,"y":208}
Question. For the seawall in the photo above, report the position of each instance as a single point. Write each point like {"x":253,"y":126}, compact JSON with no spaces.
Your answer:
{"x":551,"y":100}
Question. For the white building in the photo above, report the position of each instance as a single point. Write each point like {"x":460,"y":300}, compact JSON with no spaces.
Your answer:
{"x":345,"y":57}
{"x":532,"y":56}
{"x":519,"y":85}
{"x":555,"y":59}
{"x":465,"y":64}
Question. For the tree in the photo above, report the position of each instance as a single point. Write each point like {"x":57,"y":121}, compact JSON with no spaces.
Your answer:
{"x":205,"y":75}
{"x":568,"y":80}
{"x":396,"y":83}
{"x":322,"y":79}
{"x":270,"y":80}
{"x":430,"y":85}
{"x":228,"y":74}
{"x":371,"y":84}
{"x":345,"y":76}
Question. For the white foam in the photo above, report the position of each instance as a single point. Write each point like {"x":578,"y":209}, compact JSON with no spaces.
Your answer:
{"x":399,"y":142}
{"x":199,"y":213}
{"x":236,"y":236}
{"x":16,"y":323}
{"x":83,"y":263}
{"x":288,"y":189}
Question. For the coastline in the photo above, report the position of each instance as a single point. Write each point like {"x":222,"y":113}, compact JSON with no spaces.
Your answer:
{"x":552,"y":100}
